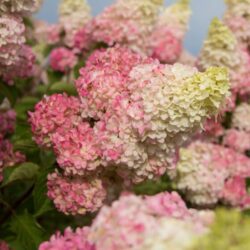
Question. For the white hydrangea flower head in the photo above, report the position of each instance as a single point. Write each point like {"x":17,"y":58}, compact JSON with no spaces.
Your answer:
{"x":194,"y":178}
{"x":177,"y":16}
{"x":171,"y":234}
{"x":20,"y":6}
{"x":241,"y":117}
{"x":11,"y":38}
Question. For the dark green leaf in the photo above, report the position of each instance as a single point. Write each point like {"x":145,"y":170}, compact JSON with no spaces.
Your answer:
{"x":54,"y":76}
{"x":62,"y":87}
{"x":9,"y":91}
{"x":28,"y":233}
{"x":24,"y":105}
{"x":47,"y":158}
{"x":25,"y":171}
{"x":41,"y":202}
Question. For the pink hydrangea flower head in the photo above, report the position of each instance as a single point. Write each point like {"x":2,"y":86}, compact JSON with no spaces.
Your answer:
{"x":75,"y":195}
{"x":78,"y":150}
{"x":238,"y":137}
{"x":8,"y":157}
{"x":4,"y":245}
{"x":126,"y":22}
{"x":82,"y":40}
{"x":204,"y":169}
{"x":104,"y":77}
{"x":7,"y":121}
{"x":62,"y":59}
{"x":235,"y":192}
{"x":167,"y":48}
{"x":69,"y":240}
{"x":238,"y":140}
{"x":47,"y":33}
{"x":237,"y":17}
{"x":138,"y":222}
{"x":167,"y":204}
{"x":165,"y":42}
{"x":53,"y":112}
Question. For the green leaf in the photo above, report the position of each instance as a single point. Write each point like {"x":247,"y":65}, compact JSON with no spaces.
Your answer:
{"x":152,"y":187}
{"x":9,"y":91}
{"x":24,"y":105}
{"x":22,"y":139}
{"x":25,"y":171}
{"x":47,"y":158}
{"x":54,"y":76}
{"x":41,"y":202}
{"x":61,"y":87}
{"x":29,"y":234}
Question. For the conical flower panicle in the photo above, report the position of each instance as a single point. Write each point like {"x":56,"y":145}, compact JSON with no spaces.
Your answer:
{"x":220,"y":48}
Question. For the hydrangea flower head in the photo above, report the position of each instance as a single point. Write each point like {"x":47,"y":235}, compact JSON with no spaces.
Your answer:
{"x":241,"y":117}
{"x":165,"y":42}
{"x":12,"y":37}
{"x":139,"y":222}
{"x":23,"y":7}
{"x":69,"y":240}
{"x":177,"y":16}
{"x":237,"y":139}
{"x":75,"y":195}
{"x":62,"y":59}
{"x":4,"y":245}
{"x":230,"y":230}
{"x":78,"y":151}
{"x":8,"y":157}
{"x":7,"y":121}
{"x":220,"y":48}
{"x":237,"y":17}
{"x":132,"y":115}
{"x":208,"y":173}
{"x":47,"y":33}
{"x":126,"y":22}
{"x":53,"y":112}
{"x":23,"y":66}
{"x":73,"y":15}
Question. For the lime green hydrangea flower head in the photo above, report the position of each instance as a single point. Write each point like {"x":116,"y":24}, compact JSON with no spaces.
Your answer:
{"x":220,"y":48}
{"x":230,"y":231}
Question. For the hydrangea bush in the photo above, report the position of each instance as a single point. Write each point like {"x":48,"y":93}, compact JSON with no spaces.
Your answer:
{"x":113,"y":136}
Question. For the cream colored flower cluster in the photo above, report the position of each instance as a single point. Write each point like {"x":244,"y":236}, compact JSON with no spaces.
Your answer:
{"x":220,"y":48}
{"x":73,"y":15}
{"x":22,"y":7}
